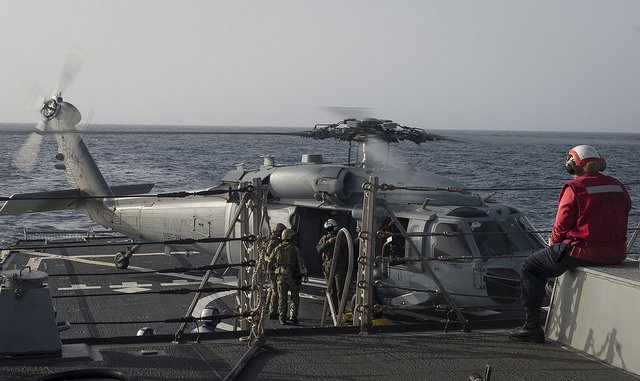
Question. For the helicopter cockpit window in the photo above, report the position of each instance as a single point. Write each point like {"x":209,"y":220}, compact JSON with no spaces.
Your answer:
{"x":490,"y":239}
{"x":450,"y":245}
{"x":525,"y":240}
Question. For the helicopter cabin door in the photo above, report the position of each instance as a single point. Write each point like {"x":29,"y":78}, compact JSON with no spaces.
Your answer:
{"x":309,"y":226}
{"x":451,"y":256}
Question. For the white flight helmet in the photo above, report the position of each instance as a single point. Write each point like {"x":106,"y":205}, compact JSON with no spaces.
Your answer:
{"x":207,"y":312}
{"x":580,"y":155}
{"x":331,"y":225}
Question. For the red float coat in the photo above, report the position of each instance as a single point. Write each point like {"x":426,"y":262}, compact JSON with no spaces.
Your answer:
{"x":592,"y":214}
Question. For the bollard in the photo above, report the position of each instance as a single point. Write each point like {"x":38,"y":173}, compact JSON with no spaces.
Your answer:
{"x":27,"y":321}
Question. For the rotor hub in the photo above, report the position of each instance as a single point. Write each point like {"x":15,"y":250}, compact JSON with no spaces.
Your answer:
{"x":51,"y":107}
{"x":369,"y":128}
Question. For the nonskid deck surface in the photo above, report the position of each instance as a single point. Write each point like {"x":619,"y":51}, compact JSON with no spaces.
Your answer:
{"x":434,"y":356}
{"x":290,"y":352}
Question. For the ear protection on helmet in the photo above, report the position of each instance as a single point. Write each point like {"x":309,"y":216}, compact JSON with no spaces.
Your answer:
{"x":572,"y":167}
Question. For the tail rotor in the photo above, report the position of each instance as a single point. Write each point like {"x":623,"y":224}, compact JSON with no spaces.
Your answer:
{"x":27,"y":156}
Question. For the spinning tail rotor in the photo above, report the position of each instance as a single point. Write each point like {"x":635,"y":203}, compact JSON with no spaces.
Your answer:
{"x":27,"y":156}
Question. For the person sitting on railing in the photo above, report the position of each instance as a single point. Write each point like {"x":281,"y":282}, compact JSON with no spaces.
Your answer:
{"x":590,"y":230}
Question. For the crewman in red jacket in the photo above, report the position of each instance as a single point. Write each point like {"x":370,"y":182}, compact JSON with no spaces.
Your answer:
{"x":590,"y":230}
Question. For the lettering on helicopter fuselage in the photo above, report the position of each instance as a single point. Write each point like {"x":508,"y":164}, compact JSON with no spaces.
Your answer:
{"x":172,"y":237}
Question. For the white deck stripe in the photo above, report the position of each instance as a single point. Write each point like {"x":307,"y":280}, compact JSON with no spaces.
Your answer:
{"x":80,"y":286}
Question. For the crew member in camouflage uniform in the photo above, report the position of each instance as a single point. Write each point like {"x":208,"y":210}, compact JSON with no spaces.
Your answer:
{"x":287,"y":263}
{"x":272,"y":296}
{"x":326,"y":247}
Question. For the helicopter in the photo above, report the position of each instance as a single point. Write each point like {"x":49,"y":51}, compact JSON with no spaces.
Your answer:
{"x":475,"y":246}
{"x":463,"y":235}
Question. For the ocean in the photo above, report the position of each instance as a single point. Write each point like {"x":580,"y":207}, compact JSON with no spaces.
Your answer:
{"x":189,"y":161}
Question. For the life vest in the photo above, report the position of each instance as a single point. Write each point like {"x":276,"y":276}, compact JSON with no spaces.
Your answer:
{"x":603,"y":207}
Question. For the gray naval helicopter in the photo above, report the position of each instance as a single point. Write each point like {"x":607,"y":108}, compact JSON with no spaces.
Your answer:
{"x":474,"y":247}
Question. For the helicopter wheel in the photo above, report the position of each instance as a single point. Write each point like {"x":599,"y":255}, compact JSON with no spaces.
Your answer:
{"x":122,"y":261}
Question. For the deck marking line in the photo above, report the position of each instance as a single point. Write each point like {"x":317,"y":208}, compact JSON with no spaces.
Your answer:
{"x":131,"y":287}
{"x":178,"y":282}
{"x":80,"y":286}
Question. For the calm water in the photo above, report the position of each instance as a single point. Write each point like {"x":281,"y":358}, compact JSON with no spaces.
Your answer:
{"x":195,"y":161}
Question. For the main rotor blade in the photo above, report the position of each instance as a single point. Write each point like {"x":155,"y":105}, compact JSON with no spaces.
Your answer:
{"x":27,"y":156}
{"x":350,"y":112}
{"x":71,"y":65}
{"x":41,"y":126}
{"x":32,"y":96}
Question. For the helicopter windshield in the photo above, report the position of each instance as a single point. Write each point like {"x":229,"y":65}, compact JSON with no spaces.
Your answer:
{"x":490,"y":239}
{"x":450,"y":242}
{"x":495,"y":239}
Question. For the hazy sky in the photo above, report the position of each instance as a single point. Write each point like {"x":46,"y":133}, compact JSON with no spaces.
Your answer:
{"x":528,"y":65}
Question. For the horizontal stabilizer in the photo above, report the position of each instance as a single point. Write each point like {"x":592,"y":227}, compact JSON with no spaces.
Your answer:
{"x":40,"y":202}
{"x":60,"y":200}
{"x":128,"y":190}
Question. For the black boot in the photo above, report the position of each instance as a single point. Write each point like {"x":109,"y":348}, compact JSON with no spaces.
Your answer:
{"x":531,"y":331}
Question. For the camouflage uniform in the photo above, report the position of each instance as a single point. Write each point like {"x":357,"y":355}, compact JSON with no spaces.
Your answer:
{"x":326,"y":247}
{"x":289,"y":267}
{"x":272,"y":295}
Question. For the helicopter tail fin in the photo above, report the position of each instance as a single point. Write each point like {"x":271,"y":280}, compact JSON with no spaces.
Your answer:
{"x":78,"y":164}
{"x":96,"y":198}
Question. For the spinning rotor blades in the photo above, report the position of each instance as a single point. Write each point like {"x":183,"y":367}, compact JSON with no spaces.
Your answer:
{"x":71,"y":65}
{"x":26,"y":157}
{"x":350,"y":112}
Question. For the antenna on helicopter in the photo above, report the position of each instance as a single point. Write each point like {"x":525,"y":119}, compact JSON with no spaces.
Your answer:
{"x":27,"y":155}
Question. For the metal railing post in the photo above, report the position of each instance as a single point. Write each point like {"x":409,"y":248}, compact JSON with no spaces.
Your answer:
{"x":363,"y":309}
{"x":244,"y":275}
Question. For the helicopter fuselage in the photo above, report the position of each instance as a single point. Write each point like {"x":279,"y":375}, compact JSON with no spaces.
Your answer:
{"x":475,"y":248}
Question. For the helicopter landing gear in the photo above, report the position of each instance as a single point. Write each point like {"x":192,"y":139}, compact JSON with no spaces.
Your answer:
{"x":122,"y":258}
